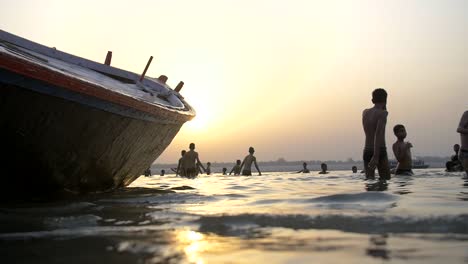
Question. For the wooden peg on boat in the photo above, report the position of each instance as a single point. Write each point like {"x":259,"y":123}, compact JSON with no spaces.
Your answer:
{"x":146,"y":68}
{"x":179,"y":86}
{"x":162,"y":78}
{"x":108,"y":58}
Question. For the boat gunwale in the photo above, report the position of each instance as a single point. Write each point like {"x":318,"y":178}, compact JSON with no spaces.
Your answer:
{"x":99,"y":68}
{"x":32,"y":70}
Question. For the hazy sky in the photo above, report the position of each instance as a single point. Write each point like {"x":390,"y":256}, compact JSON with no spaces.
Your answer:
{"x":290,"y":78}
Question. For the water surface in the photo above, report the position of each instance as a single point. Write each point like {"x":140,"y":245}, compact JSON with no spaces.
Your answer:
{"x":274,"y":218}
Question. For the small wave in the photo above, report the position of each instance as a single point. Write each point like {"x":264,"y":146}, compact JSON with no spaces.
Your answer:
{"x":71,"y":221}
{"x":355,"y":197}
{"x":227,"y":224}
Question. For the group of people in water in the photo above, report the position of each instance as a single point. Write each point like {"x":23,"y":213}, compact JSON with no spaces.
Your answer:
{"x":374,"y":121}
{"x":190,"y":166}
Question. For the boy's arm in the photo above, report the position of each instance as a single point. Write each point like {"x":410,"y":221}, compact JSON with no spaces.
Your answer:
{"x":200,"y":164}
{"x":256,"y":166}
{"x":178,"y":168}
{"x":379,"y":138}
{"x":242,"y":165}
{"x":232,"y":170}
{"x":463,"y":126}
{"x":380,"y":133}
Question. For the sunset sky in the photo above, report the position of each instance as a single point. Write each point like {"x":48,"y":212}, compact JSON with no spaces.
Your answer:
{"x":290,"y":78}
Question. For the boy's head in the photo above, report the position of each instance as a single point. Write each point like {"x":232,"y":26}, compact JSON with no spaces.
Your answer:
{"x":208,"y":163}
{"x":183,"y":152}
{"x":379,"y":95}
{"x":399,"y":131}
{"x":251,"y":150}
{"x":192,"y":146}
{"x":224,"y":169}
{"x":324,"y":167}
{"x":238,"y":162}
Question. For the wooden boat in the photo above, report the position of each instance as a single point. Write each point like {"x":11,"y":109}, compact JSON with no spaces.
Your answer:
{"x":68,"y":123}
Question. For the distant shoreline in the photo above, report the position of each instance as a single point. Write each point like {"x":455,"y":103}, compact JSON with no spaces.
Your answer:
{"x":291,"y":166}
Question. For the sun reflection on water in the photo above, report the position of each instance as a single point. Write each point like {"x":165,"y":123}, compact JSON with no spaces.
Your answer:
{"x":193,"y":244}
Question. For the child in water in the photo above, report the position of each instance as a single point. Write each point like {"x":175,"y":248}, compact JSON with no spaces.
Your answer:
{"x":236,"y":169}
{"x":402,"y":151}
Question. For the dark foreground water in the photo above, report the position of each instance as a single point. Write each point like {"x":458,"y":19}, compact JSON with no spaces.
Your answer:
{"x":275,"y":218}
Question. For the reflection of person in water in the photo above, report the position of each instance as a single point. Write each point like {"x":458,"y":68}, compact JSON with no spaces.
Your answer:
{"x":378,"y":186}
{"x":378,"y":247}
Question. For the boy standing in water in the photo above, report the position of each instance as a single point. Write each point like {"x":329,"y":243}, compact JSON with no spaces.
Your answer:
{"x":248,"y":163}
{"x":402,"y":151}
{"x":180,"y":167}
{"x":191,"y":162}
{"x":237,"y":168}
{"x":463,"y":130}
{"x":374,"y":121}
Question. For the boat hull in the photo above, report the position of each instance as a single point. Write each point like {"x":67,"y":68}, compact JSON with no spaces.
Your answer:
{"x":55,"y":139}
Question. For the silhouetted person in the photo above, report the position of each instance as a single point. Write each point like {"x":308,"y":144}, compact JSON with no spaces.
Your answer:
{"x":224,"y":171}
{"x":455,"y":163}
{"x":162,"y":172}
{"x":180,"y":166}
{"x":374,"y":121}
{"x":147,"y":172}
{"x":324,"y":168}
{"x":208,"y":168}
{"x":237,"y":168}
{"x":191,"y":162}
{"x":402,"y":151}
{"x":463,"y":130}
{"x":248,"y":160}
{"x":354,"y":169}
{"x":304,"y":168}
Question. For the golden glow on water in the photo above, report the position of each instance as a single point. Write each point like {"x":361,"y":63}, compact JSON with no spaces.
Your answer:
{"x":193,"y":244}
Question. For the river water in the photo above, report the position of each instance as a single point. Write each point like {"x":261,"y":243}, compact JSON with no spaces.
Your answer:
{"x":274,"y":218}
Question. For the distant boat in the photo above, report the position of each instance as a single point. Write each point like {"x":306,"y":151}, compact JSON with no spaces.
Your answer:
{"x":417,"y":164}
{"x":68,"y":123}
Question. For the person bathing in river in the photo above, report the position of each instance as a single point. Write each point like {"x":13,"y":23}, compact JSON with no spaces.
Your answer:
{"x":247,"y":163}
{"x":304,"y":168}
{"x":236,"y":169}
{"x":402,"y":151}
{"x":374,"y":121}
{"x":191,"y":162}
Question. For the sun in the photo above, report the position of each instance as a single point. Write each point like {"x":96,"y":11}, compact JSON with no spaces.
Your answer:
{"x":204,"y":116}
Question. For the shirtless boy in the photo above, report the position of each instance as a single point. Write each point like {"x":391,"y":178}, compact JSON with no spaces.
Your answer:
{"x":180,"y":166}
{"x":374,"y":121}
{"x":463,"y":130}
{"x":237,"y":168}
{"x":191,"y":162}
{"x":402,"y":151}
{"x":248,"y":163}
